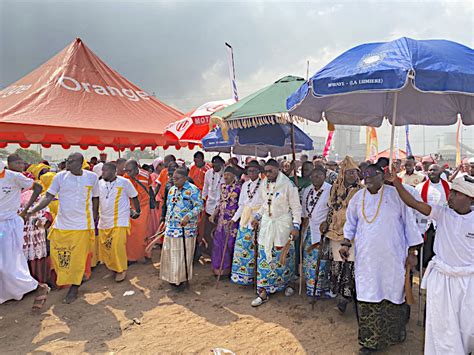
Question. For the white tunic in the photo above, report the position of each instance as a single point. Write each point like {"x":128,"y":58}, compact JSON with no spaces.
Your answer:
{"x":248,"y":207}
{"x":114,"y":202}
{"x":75,"y":199}
{"x":319,"y":211}
{"x":211,"y":190}
{"x":15,"y":278}
{"x":381,"y":247}
{"x":11,"y":185}
{"x":449,"y":281}
{"x":285,"y":211}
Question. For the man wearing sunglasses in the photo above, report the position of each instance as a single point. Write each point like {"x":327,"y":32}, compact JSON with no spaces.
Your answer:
{"x":279,"y":219}
{"x":382,"y":228}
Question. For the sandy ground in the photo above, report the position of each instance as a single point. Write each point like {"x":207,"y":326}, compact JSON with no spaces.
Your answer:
{"x":157,"y":319}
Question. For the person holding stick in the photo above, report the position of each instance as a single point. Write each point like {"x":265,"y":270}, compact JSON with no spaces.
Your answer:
{"x":315,"y":210}
{"x":449,"y":278}
{"x":250,"y":201}
{"x":226,"y":230}
{"x":183,"y":206}
{"x":342,"y":272}
{"x":383,"y":229}
{"x":279,"y":220}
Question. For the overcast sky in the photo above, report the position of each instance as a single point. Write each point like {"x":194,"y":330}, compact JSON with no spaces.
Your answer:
{"x":176,"y":49}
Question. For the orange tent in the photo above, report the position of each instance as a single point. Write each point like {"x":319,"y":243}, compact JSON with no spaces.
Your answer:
{"x":386,"y":154}
{"x":76,"y":99}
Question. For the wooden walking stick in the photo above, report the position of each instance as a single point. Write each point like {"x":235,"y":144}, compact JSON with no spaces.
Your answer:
{"x":304,"y":230}
{"x":222,"y":259}
{"x":318,"y":264}
{"x":408,"y":290}
{"x":420,"y":322}
{"x":154,"y":239}
{"x":255,"y":249}
{"x":185,"y":257}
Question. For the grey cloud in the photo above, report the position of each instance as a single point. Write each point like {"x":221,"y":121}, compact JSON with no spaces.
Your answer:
{"x":176,"y":49}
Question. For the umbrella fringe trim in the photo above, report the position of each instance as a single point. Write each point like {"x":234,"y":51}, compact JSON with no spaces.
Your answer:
{"x":256,"y":121}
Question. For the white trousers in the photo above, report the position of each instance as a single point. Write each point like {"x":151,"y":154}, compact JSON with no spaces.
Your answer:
{"x":15,"y":278}
{"x":449,"y":309}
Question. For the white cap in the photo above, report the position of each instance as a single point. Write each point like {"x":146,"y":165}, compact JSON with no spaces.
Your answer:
{"x":464,"y":185}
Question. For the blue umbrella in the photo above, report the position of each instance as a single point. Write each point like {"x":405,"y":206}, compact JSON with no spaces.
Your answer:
{"x":260,"y":141}
{"x":426,"y":82}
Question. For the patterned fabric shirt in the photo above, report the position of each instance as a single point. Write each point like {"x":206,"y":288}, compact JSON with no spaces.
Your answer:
{"x":183,"y":202}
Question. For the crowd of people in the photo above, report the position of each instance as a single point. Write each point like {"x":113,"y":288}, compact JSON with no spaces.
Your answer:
{"x":345,"y":230}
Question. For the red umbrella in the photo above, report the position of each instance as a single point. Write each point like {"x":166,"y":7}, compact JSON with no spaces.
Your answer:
{"x":192,"y":128}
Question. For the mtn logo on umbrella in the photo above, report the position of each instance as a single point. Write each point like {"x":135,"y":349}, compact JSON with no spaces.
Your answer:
{"x":371,"y":59}
{"x":183,"y":125}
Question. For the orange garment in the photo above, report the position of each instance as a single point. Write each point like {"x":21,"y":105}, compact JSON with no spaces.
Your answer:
{"x":155,"y":215}
{"x":140,"y":227}
{"x":163,"y":179}
{"x":197,"y":174}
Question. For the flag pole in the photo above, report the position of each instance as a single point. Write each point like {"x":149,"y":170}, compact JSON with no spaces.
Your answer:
{"x":233,"y":84}
{"x":392,"y":133}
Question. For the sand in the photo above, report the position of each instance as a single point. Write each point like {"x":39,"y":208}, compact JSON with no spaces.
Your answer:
{"x":158,"y":319}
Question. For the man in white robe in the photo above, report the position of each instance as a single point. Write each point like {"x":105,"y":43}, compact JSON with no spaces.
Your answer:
{"x":383,"y":228}
{"x":211,"y":193}
{"x":279,"y":219}
{"x":449,"y":278}
{"x":15,"y":277}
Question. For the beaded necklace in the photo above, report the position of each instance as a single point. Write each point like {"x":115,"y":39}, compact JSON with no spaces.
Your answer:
{"x":251,"y":194}
{"x":378,"y":207}
{"x":109,"y":186}
{"x":270,"y":197}
{"x":313,"y":202}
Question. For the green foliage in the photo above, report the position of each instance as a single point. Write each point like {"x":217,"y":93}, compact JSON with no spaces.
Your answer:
{"x":29,"y":156}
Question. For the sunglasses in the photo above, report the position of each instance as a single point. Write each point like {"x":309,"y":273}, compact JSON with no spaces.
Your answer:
{"x":268,"y":171}
{"x":370,"y":173}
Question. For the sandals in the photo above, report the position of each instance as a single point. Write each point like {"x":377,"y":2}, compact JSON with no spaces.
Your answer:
{"x":289,"y":291}
{"x":40,"y":300}
{"x":120,"y":276}
{"x":259,"y":301}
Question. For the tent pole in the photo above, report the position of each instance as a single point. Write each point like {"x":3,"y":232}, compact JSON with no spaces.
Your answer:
{"x":293,"y":152}
{"x":392,"y":133}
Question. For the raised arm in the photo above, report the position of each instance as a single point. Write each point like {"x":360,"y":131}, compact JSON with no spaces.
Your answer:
{"x":406,"y":197}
